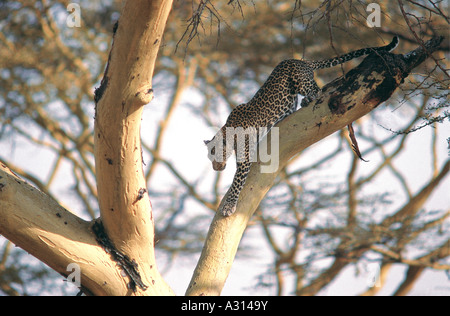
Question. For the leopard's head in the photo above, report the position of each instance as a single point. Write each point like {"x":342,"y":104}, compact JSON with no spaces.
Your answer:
{"x":216,"y":153}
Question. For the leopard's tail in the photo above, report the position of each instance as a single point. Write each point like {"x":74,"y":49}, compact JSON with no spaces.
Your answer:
{"x":327,"y":63}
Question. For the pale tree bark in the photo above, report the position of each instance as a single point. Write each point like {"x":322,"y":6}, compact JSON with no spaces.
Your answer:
{"x":126,"y":87}
{"x":39,"y":225}
{"x":342,"y":101}
{"x":124,"y":238}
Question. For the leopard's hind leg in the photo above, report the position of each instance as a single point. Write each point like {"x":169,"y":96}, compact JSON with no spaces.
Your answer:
{"x":310,"y":92}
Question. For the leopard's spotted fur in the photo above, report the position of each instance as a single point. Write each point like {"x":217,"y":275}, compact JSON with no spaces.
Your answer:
{"x":275,"y":100}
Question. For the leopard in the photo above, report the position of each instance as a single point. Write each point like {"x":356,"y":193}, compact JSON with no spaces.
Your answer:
{"x":275,"y":100}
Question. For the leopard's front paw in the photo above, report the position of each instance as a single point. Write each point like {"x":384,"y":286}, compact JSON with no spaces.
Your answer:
{"x":228,"y":209}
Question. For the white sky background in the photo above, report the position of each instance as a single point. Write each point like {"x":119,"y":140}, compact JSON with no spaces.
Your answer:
{"x":183,"y":144}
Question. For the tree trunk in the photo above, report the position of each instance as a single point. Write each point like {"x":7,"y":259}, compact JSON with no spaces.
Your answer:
{"x":124,"y":238}
{"x":126,"y":87}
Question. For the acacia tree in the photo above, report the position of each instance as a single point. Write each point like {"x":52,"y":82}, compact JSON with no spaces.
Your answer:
{"x":123,"y":237}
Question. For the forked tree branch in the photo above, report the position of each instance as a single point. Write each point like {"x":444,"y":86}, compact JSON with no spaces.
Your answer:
{"x":36,"y":223}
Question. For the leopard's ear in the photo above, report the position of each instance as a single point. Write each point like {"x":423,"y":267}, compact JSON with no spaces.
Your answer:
{"x":206,"y":142}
